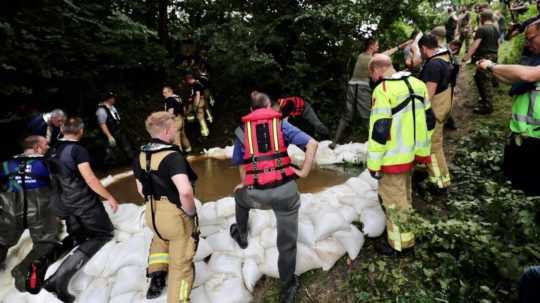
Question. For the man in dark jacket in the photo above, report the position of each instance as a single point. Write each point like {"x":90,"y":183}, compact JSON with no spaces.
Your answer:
{"x":47,"y":125}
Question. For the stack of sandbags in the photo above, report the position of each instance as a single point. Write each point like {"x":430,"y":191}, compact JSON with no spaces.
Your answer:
{"x":223,"y":271}
{"x":347,"y":153}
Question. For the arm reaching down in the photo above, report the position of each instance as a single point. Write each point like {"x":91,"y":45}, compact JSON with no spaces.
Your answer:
{"x":311,"y":151}
{"x":93,"y":182}
{"x":183,"y":185}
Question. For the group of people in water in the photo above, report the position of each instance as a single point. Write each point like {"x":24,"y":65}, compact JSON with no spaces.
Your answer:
{"x":404,"y":114}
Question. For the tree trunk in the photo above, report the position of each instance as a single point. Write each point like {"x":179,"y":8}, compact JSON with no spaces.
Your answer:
{"x":163,"y":26}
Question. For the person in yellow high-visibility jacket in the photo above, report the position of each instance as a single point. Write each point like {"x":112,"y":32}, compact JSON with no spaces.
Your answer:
{"x":400,"y":128}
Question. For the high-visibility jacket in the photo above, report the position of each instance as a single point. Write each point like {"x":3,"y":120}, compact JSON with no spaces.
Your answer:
{"x":266,"y":161}
{"x":526,"y":113}
{"x":292,"y":106}
{"x":400,"y":125}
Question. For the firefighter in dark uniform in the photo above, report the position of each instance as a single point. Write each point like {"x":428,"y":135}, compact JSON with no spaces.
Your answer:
{"x":164,"y":178}
{"x":296,"y":107}
{"x":175,"y":106}
{"x":197,"y":103}
{"x":24,"y":204}
{"x":108,"y":120}
{"x":267,"y":177}
{"x":75,"y":192}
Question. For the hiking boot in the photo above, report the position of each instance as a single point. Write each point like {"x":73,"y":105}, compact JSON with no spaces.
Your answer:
{"x":382,"y":247}
{"x":158,"y":281}
{"x":289,"y":290}
{"x":450,"y":124}
{"x":240,"y":239}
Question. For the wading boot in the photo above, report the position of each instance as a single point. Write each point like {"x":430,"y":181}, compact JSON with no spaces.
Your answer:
{"x":157,"y":284}
{"x":235,"y":234}
{"x":289,"y":290}
{"x":204,"y":127}
{"x":339,"y":133}
{"x":58,"y":283}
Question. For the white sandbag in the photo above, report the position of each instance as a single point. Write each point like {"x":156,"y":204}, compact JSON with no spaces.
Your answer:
{"x":327,"y":223}
{"x":329,"y":252}
{"x":97,"y":264}
{"x":374,"y":221}
{"x":254,"y":250}
{"x":229,"y":290}
{"x":348,"y":213}
{"x":121,"y":236}
{"x":296,"y":154}
{"x":225,"y":207}
{"x":352,"y":240}
{"x":14,"y":296}
{"x":128,"y":218}
{"x":80,"y":282}
{"x":325,"y":156}
{"x":269,"y":267}
{"x":306,"y":259}
{"x":208,"y":230}
{"x":349,"y":157}
{"x":131,"y":253}
{"x":369,"y":179}
{"x":97,"y":292}
{"x":216,"y":153}
{"x":222,"y":242}
{"x":208,"y":214}
{"x":306,"y":232}
{"x":203,"y":273}
{"x":128,"y":279}
{"x":124,"y":298}
{"x":198,"y":295}
{"x":226,"y":264}
{"x":269,"y":238}
{"x":203,"y":250}
{"x":358,"y":185}
{"x":259,"y":220}
{"x":251,"y":274}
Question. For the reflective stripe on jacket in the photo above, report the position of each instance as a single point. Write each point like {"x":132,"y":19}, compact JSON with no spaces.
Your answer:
{"x":526,"y":113}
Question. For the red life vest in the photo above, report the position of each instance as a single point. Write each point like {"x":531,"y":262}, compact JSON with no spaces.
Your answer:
{"x":266,"y":161}
{"x":298,"y":105}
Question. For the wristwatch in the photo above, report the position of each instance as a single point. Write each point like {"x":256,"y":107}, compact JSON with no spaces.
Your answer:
{"x":491,"y":66}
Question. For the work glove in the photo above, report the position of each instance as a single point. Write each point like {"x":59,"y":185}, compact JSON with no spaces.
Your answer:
{"x":375,"y":175}
{"x":112,"y":142}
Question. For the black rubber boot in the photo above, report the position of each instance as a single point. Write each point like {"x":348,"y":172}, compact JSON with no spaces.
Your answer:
{"x":289,"y":290}
{"x":157,"y":284}
{"x":235,"y":234}
{"x":58,"y":283}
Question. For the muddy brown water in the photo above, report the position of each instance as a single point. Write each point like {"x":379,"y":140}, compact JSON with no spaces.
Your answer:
{"x":217,"y":179}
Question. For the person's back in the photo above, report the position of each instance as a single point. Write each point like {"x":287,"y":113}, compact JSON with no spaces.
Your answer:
{"x":360,"y":72}
{"x":490,"y":41}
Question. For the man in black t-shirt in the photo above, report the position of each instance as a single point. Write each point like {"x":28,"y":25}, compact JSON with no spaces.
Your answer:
{"x":437,"y":74}
{"x":164,"y":179}
{"x":175,"y":106}
{"x":485,"y":46}
{"x":75,"y":198}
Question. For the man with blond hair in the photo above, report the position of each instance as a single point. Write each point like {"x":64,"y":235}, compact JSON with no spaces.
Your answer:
{"x":165,"y":180}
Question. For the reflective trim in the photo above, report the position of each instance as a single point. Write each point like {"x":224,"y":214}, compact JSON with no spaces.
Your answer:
{"x":526,"y":119}
{"x":274,"y":130}
{"x":381,"y":111}
{"x":161,"y":258}
{"x":250,"y":139}
{"x":184,"y":291}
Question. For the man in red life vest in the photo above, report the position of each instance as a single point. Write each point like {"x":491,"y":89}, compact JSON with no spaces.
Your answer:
{"x":267,"y":181}
{"x":297,"y":107}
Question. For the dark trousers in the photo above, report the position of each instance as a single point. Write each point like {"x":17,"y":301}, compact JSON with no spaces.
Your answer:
{"x":121,"y":152}
{"x":522,"y":163}
{"x":91,"y":229}
{"x":284,"y":200}
{"x":311,"y":117}
{"x":485,"y":81}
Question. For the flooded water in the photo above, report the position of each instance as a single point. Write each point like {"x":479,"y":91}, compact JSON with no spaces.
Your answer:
{"x":217,"y":179}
